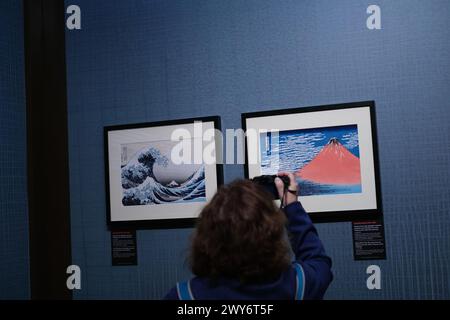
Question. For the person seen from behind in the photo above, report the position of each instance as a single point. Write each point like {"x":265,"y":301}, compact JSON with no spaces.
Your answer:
{"x":240,"y":250}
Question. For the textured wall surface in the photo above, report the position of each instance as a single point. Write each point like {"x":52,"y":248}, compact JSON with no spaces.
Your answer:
{"x":137,"y":61}
{"x":14,"y":266}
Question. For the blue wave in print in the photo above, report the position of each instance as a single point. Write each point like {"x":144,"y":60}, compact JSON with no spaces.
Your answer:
{"x":140,"y":186}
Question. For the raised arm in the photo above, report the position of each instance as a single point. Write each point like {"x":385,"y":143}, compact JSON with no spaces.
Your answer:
{"x":306,"y":245}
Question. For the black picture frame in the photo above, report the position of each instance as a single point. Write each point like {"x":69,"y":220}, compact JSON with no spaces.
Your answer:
{"x":154,"y":223}
{"x":332,"y":216}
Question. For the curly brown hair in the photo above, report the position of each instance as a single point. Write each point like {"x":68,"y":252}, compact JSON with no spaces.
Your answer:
{"x":240,"y":233}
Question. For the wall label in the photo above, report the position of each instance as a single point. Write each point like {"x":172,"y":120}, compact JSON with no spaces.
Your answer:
{"x":368,"y":240}
{"x":123,"y":247}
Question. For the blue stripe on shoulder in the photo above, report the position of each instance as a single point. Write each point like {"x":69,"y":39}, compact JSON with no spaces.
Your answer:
{"x":300,"y":281}
{"x":184,"y":291}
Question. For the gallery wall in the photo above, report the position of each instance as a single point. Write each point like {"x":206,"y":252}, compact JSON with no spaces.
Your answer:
{"x":139,"y":61}
{"x":14,"y":266}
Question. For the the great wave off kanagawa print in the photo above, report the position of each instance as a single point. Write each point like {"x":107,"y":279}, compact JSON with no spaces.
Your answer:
{"x":149,"y":177}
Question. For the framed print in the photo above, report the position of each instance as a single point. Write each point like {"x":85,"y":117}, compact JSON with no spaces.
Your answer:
{"x":147,"y":185}
{"x":332,"y":151}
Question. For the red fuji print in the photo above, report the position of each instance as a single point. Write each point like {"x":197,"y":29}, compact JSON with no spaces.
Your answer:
{"x":333,"y":165}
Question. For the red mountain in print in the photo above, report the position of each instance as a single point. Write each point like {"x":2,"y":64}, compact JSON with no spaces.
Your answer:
{"x":333,"y":165}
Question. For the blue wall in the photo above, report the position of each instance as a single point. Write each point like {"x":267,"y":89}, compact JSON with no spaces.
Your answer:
{"x":137,"y":61}
{"x":14,"y":263}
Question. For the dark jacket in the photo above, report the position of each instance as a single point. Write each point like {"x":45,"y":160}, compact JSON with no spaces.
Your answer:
{"x":309,"y":254}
